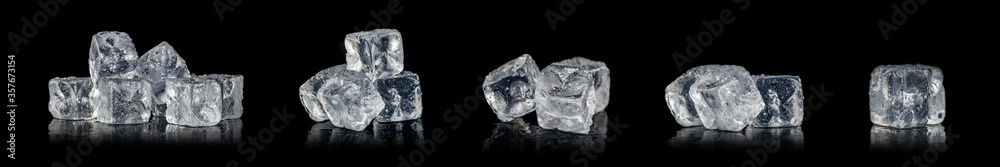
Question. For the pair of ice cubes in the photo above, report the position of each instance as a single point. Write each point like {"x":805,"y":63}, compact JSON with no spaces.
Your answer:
{"x":727,"y":97}
{"x":566,"y":94}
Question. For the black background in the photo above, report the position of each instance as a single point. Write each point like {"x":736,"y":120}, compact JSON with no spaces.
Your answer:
{"x":276,"y":46}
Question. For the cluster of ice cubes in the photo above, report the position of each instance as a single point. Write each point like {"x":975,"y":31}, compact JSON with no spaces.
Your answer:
{"x":372,"y":85}
{"x":124,"y":88}
{"x":566,"y":94}
{"x":727,"y":97}
{"x":906,"y":96}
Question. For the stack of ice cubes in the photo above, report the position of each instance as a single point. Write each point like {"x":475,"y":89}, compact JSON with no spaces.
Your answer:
{"x":727,"y":97}
{"x":372,"y":85}
{"x":124,"y":88}
{"x":566,"y":94}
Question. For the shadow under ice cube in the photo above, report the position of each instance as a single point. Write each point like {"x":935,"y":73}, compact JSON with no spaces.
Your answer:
{"x":782,"y":96}
{"x":350,"y":99}
{"x":402,"y":96}
{"x":510,"y":89}
{"x":193,"y":101}
{"x":570,"y":92}
{"x":122,"y":101}
{"x":69,"y":98}
{"x":904,"y":96}
{"x":377,"y":53}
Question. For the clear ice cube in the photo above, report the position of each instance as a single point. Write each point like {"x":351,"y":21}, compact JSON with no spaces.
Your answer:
{"x":232,"y":94}
{"x":160,"y":63}
{"x":402,"y":96}
{"x":725,"y":97}
{"x":193,"y":101}
{"x":782,"y":96}
{"x":112,"y":54}
{"x":308,"y":96}
{"x":378,"y":53}
{"x":350,"y":99}
{"x":570,"y":92}
{"x":69,"y":98}
{"x":510,"y":89}
{"x":679,"y":100}
{"x":122,"y":101}
{"x":904,"y":96}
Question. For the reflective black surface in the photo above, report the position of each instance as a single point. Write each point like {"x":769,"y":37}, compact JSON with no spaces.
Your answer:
{"x":155,"y":133}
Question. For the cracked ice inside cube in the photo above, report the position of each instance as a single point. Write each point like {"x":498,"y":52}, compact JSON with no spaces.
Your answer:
{"x":69,"y":98}
{"x":378,"y":53}
{"x":570,"y":92}
{"x":193,"y":101}
{"x":725,"y":97}
{"x":112,"y":54}
{"x":122,"y":101}
{"x":350,"y":99}
{"x":160,"y":63}
{"x":232,"y":94}
{"x":904,"y":96}
{"x":510,"y":89}
{"x":782,"y":96}
{"x":402,"y":97}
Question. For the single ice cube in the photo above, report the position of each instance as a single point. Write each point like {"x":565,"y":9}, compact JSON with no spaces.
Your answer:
{"x":193,"y":101}
{"x":725,"y":97}
{"x":350,"y":99}
{"x":904,"y":96}
{"x":570,"y":92}
{"x":112,"y":54}
{"x":679,"y":100}
{"x":510,"y":89}
{"x":307,"y":92}
{"x":232,"y":94}
{"x":160,"y":63}
{"x":377,"y":53}
{"x":782,"y":96}
{"x":122,"y":101}
{"x":402,"y":96}
{"x":69,"y":98}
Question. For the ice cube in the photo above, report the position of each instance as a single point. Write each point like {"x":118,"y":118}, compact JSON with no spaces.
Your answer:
{"x":69,"y":98}
{"x":378,"y":53}
{"x":510,"y":89}
{"x":904,"y":96}
{"x":122,"y":101}
{"x":232,"y":94}
{"x":112,"y":54}
{"x":782,"y":96}
{"x":193,"y":101}
{"x":402,"y":96}
{"x":160,"y":63}
{"x":350,"y":99}
{"x":570,"y":92}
